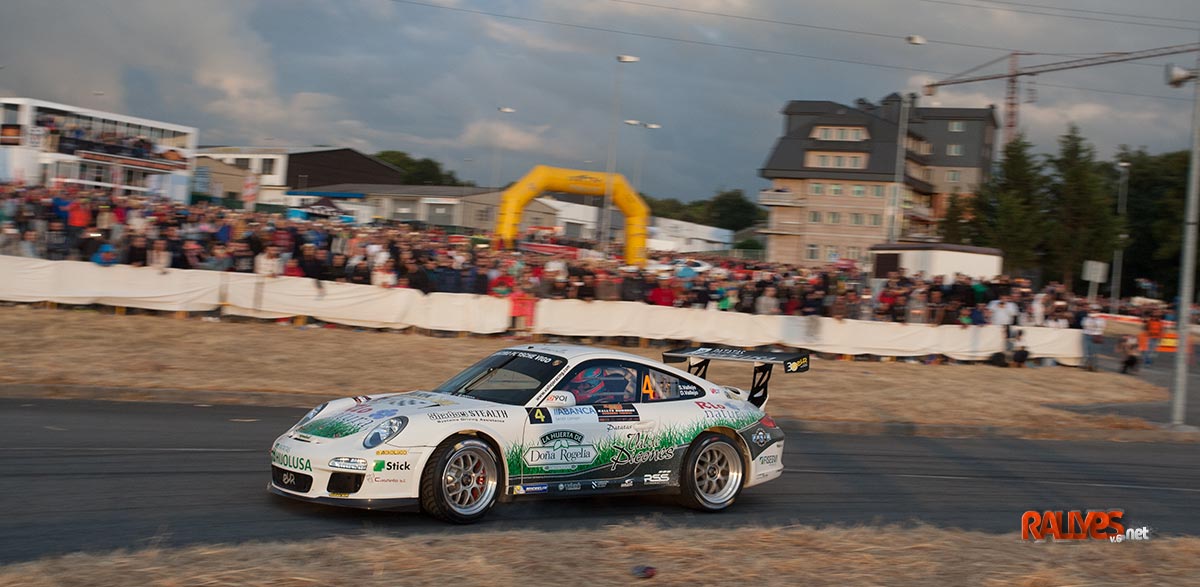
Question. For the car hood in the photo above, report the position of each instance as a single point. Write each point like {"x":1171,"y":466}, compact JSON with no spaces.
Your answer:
{"x":358,"y":418}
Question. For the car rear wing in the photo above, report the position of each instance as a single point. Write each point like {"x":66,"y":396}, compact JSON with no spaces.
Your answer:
{"x":698,"y":359}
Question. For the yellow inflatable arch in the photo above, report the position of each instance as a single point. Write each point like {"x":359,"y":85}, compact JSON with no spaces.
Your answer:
{"x":575,"y":181}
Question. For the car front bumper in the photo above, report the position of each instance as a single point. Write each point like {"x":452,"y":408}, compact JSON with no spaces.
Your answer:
{"x":362,"y":503}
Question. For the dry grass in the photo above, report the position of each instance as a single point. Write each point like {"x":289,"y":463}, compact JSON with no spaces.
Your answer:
{"x":87,"y":348}
{"x":891,"y":555}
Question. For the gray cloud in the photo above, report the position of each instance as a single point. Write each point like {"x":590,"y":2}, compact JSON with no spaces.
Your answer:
{"x":376,"y":74}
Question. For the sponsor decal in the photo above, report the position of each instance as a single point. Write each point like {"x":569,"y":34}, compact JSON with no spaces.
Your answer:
{"x":761,"y":437}
{"x":489,"y":415}
{"x":627,"y":483}
{"x":617,"y":413}
{"x":526,"y":489}
{"x":585,"y":179}
{"x":527,"y":355}
{"x":768,"y":459}
{"x":1079,"y":525}
{"x":392,"y":451}
{"x":392,"y":466}
{"x":540,"y":416}
{"x":639,"y":448}
{"x":406,"y":402}
{"x":796,"y":366}
{"x":339,"y":495}
{"x":378,"y":479}
{"x":560,"y":449}
{"x":573,"y":414}
{"x":719,"y":410}
{"x":572,"y":486}
{"x":288,"y":479}
{"x":659,"y":478}
{"x":344,"y":424}
{"x":601,"y":484}
{"x":612,"y":427}
{"x":290,"y":462}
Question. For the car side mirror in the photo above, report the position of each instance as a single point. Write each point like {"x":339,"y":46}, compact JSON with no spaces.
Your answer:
{"x":559,"y":399}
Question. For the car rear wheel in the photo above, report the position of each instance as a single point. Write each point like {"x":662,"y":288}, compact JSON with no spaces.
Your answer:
{"x":713,"y":473}
{"x":460,"y":482}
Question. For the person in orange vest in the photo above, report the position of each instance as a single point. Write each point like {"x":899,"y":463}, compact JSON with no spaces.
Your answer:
{"x":1154,"y":332}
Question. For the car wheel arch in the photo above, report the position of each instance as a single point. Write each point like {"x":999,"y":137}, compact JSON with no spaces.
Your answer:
{"x":738,"y":441}
{"x":501,"y":462}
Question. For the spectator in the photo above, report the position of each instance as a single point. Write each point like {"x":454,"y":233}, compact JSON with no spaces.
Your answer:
{"x":270,"y":264}
{"x":242,"y":258}
{"x":662,"y":295}
{"x":135,"y":253}
{"x":105,"y":256}
{"x":220,"y":259}
{"x":1154,"y":331}
{"x":1003,"y":312}
{"x":28,"y":246}
{"x":160,"y":257}
{"x":632,"y":286}
{"x":1127,"y":349}
{"x":1093,"y":336}
{"x":291,"y":268}
{"x":767,"y":304}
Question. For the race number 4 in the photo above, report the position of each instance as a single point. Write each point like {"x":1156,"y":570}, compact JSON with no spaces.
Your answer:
{"x":539,"y":416}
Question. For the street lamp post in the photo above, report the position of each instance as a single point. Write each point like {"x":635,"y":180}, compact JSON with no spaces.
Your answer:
{"x":602,"y":241}
{"x":1119,"y":254}
{"x":893,"y":205}
{"x":1177,"y":77}
{"x":901,"y":151}
{"x":637,"y":174}
{"x":496,"y":149}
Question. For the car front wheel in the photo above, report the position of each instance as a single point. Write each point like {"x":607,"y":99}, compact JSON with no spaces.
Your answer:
{"x":712,"y":473}
{"x":460,"y":482}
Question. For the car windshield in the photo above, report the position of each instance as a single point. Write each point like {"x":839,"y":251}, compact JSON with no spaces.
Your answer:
{"x":508,"y":377}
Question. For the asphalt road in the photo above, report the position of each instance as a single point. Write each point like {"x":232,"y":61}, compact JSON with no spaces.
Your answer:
{"x":92,"y":476}
{"x":1161,"y":373}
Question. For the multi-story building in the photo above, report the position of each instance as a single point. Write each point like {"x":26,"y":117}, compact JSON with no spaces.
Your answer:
{"x":283,"y":169}
{"x":49,"y":143}
{"x":833,"y":175}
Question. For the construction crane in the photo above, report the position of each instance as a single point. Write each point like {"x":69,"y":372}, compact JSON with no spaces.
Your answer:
{"x":1011,"y":100}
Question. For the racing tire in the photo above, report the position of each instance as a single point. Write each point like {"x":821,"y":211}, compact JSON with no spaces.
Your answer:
{"x":461,"y":482}
{"x":713,"y":473}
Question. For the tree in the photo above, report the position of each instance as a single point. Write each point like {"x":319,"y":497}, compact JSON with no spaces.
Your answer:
{"x":1154,"y":221}
{"x":1009,"y":211}
{"x":423,"y":171}
{"x":1080,"y":207}
{"x":952,"y":228}
{"x":731,"y":210}
{"x":749,"y":244}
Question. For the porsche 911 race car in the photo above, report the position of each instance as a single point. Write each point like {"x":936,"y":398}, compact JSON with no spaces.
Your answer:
{"x":541,"y":420}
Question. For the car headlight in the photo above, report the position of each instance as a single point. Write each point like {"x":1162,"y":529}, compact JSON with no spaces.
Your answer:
{"x":310,"y":415}
{"x":385,"y":431}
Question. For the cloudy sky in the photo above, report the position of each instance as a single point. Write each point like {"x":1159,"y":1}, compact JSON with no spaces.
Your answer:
{"x":427,"y":76}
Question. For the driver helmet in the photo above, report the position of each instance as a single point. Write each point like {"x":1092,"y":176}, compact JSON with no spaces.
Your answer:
{"x":587,"y":383}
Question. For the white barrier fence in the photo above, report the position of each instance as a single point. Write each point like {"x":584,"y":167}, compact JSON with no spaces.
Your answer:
{"x":825,"y":335}
{"x":72,"y":282}
{"x":75,"y":282}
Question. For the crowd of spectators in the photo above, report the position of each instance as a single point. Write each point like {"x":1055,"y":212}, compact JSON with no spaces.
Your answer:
{"x":160,"y":234}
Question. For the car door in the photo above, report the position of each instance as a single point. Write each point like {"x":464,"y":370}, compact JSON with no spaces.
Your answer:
{"x":567,"y":449}
{"x":666,"y":426}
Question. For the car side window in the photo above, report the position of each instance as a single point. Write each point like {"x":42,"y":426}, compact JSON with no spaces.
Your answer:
{"x":659,"y":386}
{"x":603,"y":382}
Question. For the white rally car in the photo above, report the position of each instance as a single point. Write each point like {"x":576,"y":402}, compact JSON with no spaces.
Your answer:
{"x":541,"y":420}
